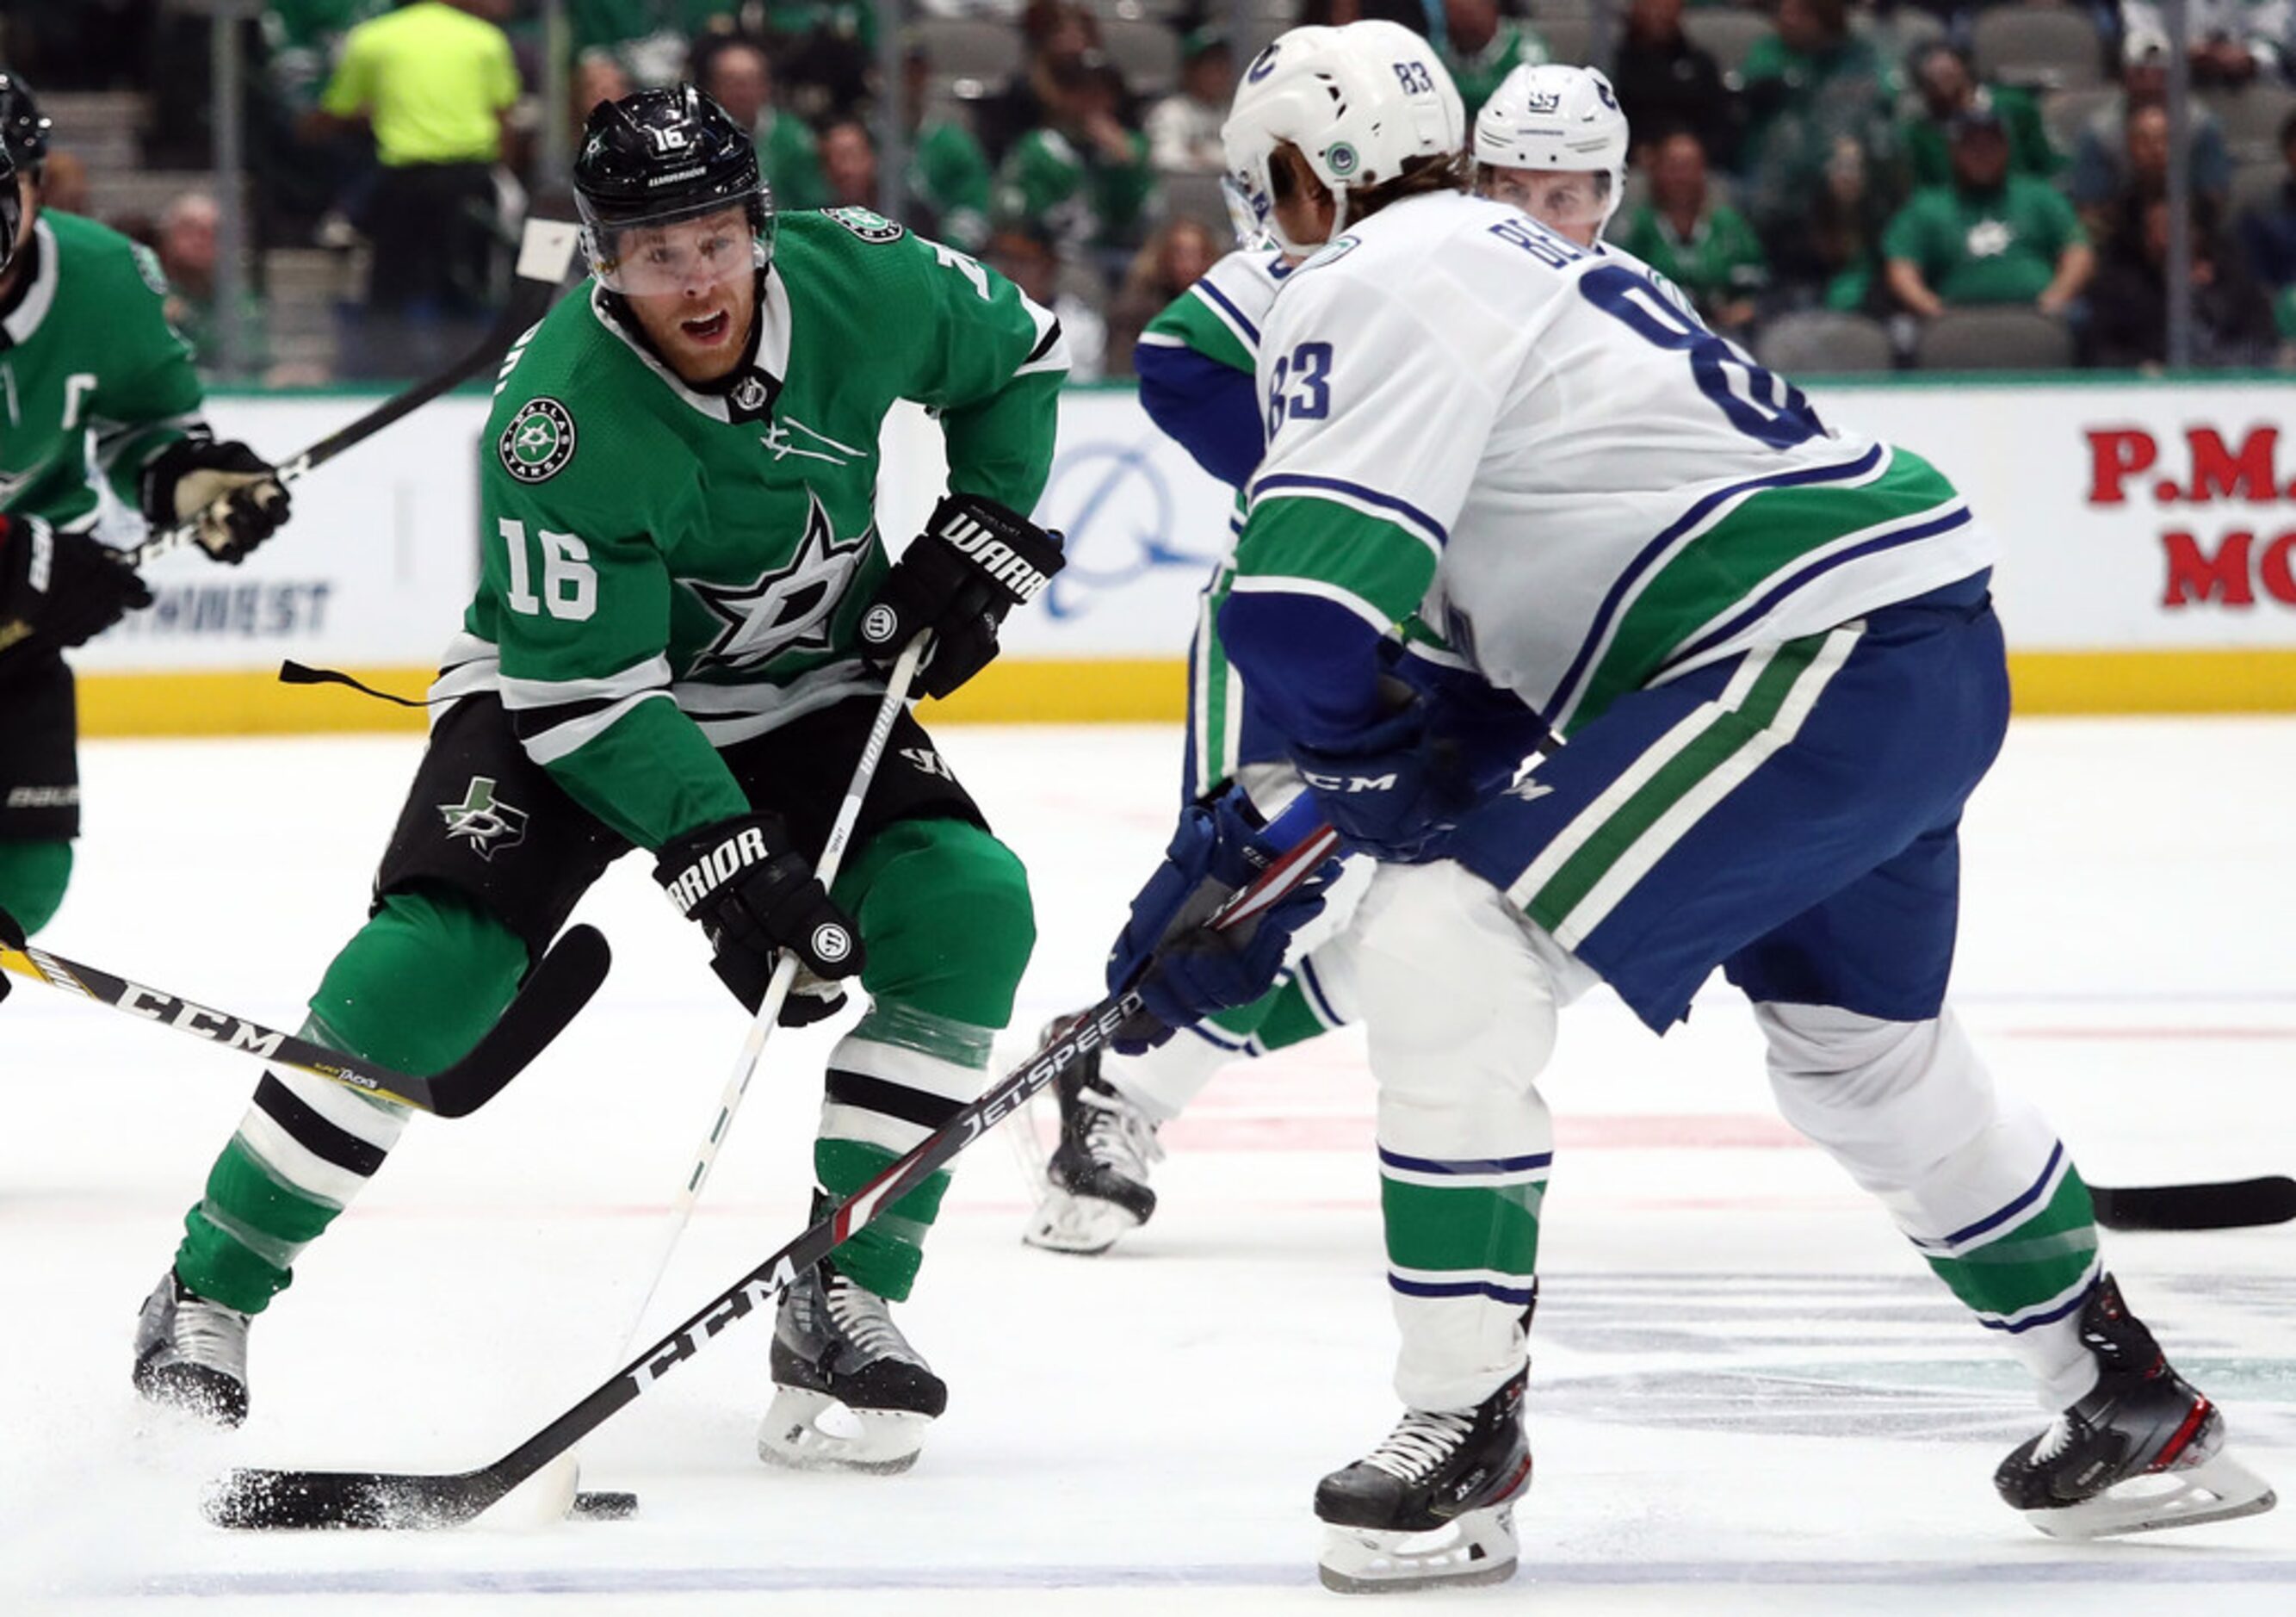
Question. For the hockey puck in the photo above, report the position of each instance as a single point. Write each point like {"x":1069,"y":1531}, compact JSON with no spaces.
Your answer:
{"x":604,"y":1505}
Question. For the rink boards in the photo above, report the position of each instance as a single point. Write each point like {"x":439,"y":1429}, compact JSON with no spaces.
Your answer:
{"x":2148,"y":532}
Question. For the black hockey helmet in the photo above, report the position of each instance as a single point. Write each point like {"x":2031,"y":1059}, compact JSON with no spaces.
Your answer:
{"x":11,"y":210}
{"x":653,"y":158}
{"x":23,"y":127}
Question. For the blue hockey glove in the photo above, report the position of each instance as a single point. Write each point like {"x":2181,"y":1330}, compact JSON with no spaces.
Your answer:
{"x":1393,"y":791}
{"x":1216,"y":849}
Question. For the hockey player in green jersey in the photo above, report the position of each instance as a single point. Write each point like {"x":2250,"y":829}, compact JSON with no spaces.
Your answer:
{"x":677,"y":644}
{"x":85,"y":354}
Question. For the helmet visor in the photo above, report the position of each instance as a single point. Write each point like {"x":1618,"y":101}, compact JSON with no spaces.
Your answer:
{"x":690,"y":248}
{"x":1563,"y":201}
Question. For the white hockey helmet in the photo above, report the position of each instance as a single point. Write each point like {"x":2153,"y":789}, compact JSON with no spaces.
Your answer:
{"x":1559,"y":119}
{"x":1358,"y":101}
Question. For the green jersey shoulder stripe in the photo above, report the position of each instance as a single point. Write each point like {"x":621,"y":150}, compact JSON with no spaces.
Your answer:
{"x":1315,"y":542}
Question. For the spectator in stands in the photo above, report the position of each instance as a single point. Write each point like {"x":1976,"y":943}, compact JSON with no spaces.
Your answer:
{"x":186,"y":241}
{"x":1184,"y":128}
{"x":1413,"y":14}
{"x":2267,"y":235}
{"x":2229,"y":42}
{"x":435,"y":83}
{"x":848,"y":165}
{"x":649,"y":37}
{"x":1705,"y":247}
{"x":302,"y":39}
{"x":2101,"y":171}
{"x":1174,"y":259}
{"x":1947,"y":86}
{"x":1480,"y":47}
{"x":597,"y":77}
{"x":2128,"y":309}
{"x":1084,"y":173}
{"x":1665,"y":82}
{"x":1821,"y":101}
{"x":733,"y":70}
{"x":825,"y":51}
{"x":1023,"y":251}
{"x":63,"y":184}
{"x":1991,"y":236}
{"x":1059,"y":35}
{"x":948,"y":175}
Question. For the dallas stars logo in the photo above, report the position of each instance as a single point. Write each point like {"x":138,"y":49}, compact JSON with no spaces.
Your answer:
{"x":538,"y":442}
{"x":789,"y":608}
{"x":487,"y":823}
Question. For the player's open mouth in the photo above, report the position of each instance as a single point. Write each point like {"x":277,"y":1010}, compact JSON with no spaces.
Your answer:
{"x":707,"y":332}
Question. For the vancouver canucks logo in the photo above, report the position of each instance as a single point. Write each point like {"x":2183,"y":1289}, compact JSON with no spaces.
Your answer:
{"x":538,"y":442}
{"x":789,"y":608}
{"x":484,"y":820}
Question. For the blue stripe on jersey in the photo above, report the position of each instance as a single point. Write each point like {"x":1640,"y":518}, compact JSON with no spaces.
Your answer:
{"x":1212,"y":294}
{"x":1370,"y":497}
{"x":1208,"y":408}
{"x":1318,"y":1000}
{"x":1825,"y":564}
{"x":1487,"y":1165}
{"x":1567,"y":690}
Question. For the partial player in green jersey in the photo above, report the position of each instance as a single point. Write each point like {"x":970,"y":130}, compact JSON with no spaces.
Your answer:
{"x":678,"y":644}
{"x":94,"y":384}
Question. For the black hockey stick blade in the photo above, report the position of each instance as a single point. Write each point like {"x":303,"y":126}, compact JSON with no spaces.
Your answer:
{"x":553,"y":993}
{"x":292,"y":1499}
{"x":2232,"y":1205}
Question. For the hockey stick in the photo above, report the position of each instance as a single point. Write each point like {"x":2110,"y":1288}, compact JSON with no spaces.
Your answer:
{"x":544,"y":256}
{"x":769,"y":1009}
{"x":264,"y":1498}
{"x":2234,"y":1204}
{"x":553,"y":993}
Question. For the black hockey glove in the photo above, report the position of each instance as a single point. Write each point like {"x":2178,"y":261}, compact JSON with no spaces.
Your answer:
{"x":233,"y":494}
{"x":754,"y":896}
{"x":975,"y":562}
{"x":60,"y":588}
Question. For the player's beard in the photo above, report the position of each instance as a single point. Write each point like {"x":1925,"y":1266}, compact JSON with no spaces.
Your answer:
{"x":701,"y":339}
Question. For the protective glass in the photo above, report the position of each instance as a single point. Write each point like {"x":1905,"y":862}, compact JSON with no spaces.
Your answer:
{"x":690,"y":250}
{"x":1565,"y":202}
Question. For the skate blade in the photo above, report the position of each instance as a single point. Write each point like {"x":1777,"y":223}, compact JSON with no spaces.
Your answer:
{"x":1476,"y":1549}
{"x":2218,"y":1489}
{"x":807,"y":1430}
{"x":1082,"y":1226}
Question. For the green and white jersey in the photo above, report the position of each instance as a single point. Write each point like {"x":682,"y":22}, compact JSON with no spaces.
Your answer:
{"x":1219,"y":318}
{"x":1541,"y":452}
{"x":669,"y":571}
{"x":93,"y":379}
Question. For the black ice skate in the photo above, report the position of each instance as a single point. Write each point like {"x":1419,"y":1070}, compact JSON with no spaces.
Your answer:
{"x":1096,"y":1183}
{"x":191,"y":1354}
{"x":850,"y":1394}
{"x":1434,"y":1504}
{"x":2143,"y":1451}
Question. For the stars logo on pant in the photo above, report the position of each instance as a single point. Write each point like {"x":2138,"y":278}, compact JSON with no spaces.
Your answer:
{"x":788,"y":608}
{"x":485,"y":821}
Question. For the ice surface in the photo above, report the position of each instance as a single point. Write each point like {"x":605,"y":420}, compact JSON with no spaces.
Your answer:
{"x":1748,"y":1394}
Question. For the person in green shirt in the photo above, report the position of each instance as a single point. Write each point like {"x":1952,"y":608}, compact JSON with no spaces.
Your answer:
{"x":679,"y":643}
{"x":1482,"y":48}
{"x":649,"y":37}
{"x":1818,"y":97}
{"x":1704,"y":247}
{"x":1991,"y":236}
{"x":1083,"y":173}
{"x":949,"y":172}
{"x":1947,"y":86}
{"x":735,"y":72}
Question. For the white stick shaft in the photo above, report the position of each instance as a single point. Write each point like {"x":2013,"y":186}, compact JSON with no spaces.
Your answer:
{"x":777,"y":991}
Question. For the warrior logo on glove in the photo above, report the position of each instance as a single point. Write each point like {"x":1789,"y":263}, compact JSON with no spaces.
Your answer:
{"x":975,"y":562}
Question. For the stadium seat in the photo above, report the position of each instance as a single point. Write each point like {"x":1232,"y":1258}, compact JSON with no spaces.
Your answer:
{"x":2255,"y":184}
{"x":2065,"y":113}
{"x":1821,"y":341}
{"x":1569,"y":39}
{"x":1196,"y":196}
{"x":1147,"y":52}
{"x":1727,"y":35}
{"x":2006,"y":339}
{"x":966,"y":47}
{"x":2252,"y":117}
{"x":2053,"y":46}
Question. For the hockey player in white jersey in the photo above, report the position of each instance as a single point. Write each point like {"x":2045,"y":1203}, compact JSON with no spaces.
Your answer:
{"x":1551,"y":141}
{"x":1768,"y":648}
